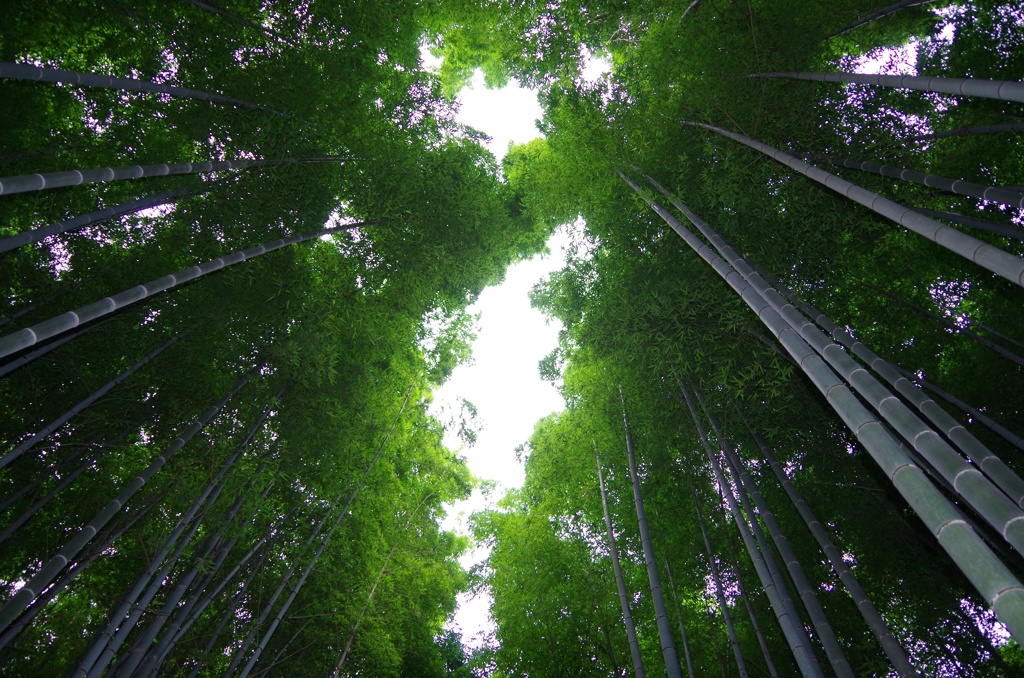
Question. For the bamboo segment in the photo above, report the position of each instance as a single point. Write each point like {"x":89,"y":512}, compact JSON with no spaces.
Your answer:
{"x":668,"y":650}
{"x":754,"y":624}
{"x":48,"y":572}
{"x":1004,"y":90}
{"x":620,"y":582}
{"x":999,"y":194}
{"x":56,"y":75}
{"x":22,"y":339}
{"x":970,"y":483}
{"x":987,"y":256}
{"x":893,"y":650}
{"x":734,"y":642}
{"x":875,"y":16}
{"x":1006,"y":230}
{"x":679,"y":616}
{"x":999,"y":587}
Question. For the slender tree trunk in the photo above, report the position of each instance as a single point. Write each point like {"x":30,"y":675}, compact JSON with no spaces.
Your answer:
{"x":993,"y":580}
{"x":668,"y":649}
{"x":987,"y":256}
{"x":754,"y":624}
{"x":971,"y":484}
{"x":45,"y":576}
{"x":682,"y":626}
{"x":748,"y":490}
{"x":620,"y":582}
{"x":1007,"y":230}
{"x":792,"y":627}
{"x":734,"y":642}
{"x":893,"y":650}
{"x":875,"y":16}
{"x":56,"y":75}
{"x":1004,"y":90}
{"x":970,"y":131}
{"x":1004,"y":196}
{"x":22,"y":339}
{"x":99,"y":216}
{"x":43,"y":433}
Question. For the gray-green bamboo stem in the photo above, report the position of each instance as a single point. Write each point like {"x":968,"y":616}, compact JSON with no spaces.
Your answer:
{"x":44,"y":432}
{"x":892,"y":648}
{"x":56,"y":75}
{"x":620,"y":582}
{"x":987,"y":256}
{"x":22,"y":339}
{"x":679,"y":615}
{"x":668,"y":649}
{"x":1004,"y":90}
{"x":992,"y":579}
{"x":970,"y":483}
{"x":1007,"y":230}
{"x":754,"y":624}
{"x":792,"y":628}
{"x":734,"y":642}
{"x":999,"y":194}
{"x":880,"y":14}
{"x":98,"y":216}
{"x":48,"y":572}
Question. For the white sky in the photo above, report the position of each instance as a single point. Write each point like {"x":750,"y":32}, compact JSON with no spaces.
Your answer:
{"x":502,"y":381}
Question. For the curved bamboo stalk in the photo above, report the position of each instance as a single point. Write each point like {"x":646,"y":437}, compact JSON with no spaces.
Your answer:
{"x":792,"y":628}
{"x":1004,"y":90}
{"x":716,"y":577}
{"x":999,"y":194}
{"x":48,"y":572}
{"x":880,"y":14}
{"x":892,"y":648}
{"x":1006,"y":230}
{"x":620,"y":582}
{"x":970,"y":483}
{"x":45,"y":432}
{"x":992,"y":579}
{"x":991,"y":465}
{"x":25,"y":359}
{"x":98,"y":216}
{"x":987,"y":256}
{"x":56,"y":75}
{"x":970,"y":131}
{"x":668,"y":649}
{"x":22,"y":339}
{"x":748,"y":491}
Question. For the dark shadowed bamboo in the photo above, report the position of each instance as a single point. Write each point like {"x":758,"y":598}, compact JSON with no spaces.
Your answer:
{"x":620,"y":582}
{"x":48,"y":572}
{"x":987,"y":256}
{"x":22,"y":339}
{"x":28,"y":308}
{"x":716,"y":577}
{"x":1006,"y":230}
{"x":25,"y":359}
{"x":973,"y":449}
{"x":970,"y":131}
{"x":992,"y":579}
{"x":96,"y":217}
{"x":792,"y":628}
{"x":56,"y":75}
{"x":748,"y":492}
{"x":212,"y":8}
{"x":1004,"y":196}
{"x":754,"y":624}
{"x":892,"y":648}
{"x":1001,"y":512}
{"x":882,"y":13}
{"x":668,"y":649}
{"x":1004,"y":90}
{"x":682,"y":626}
{"x":44,"y":432}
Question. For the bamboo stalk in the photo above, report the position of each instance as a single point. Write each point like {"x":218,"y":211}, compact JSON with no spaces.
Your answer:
{"x":1004,"y":90}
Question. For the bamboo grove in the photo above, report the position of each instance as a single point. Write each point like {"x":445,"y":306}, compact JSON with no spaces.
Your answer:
{"x":238,"y":243}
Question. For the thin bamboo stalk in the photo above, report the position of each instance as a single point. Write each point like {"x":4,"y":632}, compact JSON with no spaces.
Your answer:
{"x":679,"y":616}
{"x":48,"y":572}
{"x":993,"y":580}
{"x":716,"y":577}
{"x":22,"y":339}
{"x":56,"y":75}
{"x":999,"y":194}
{"x":1004,"y":90}
{"x":987,"y":256}
{"x":45,"y":432}
{"x":882,"y":13}
{"x":754,"y":624}
{"x":620,"y":582}
{"x":668,"y":650}
{"x":1007,"y":230}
